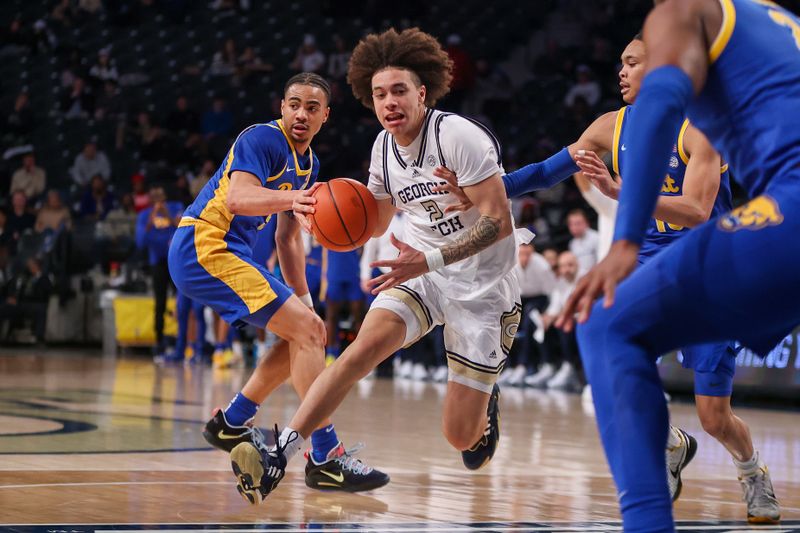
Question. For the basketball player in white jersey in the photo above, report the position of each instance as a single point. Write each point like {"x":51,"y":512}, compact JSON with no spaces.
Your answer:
{"x":454,"y":269}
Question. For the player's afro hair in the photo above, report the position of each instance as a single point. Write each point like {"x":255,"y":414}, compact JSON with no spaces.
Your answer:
{"x":412,"y":50}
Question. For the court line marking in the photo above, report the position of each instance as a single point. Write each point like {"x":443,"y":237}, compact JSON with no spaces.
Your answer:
{"x":88,"y":483}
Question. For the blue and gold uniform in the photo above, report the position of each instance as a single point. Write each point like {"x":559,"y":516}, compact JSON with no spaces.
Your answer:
{"x":211,"y":258}
{"x":714,"y":363}
{"x":734,"y":277}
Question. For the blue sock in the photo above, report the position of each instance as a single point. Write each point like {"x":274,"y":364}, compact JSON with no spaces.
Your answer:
{"x":323,"y":441}
{"x":240,"y":410}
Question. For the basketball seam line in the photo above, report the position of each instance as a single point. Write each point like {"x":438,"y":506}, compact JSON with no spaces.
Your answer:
{"x":358,"y":194}
{"x":319,"y":226}
{"x":338,"y":214}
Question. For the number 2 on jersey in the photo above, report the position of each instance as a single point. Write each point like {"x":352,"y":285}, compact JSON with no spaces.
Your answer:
{"x":433,"y":210}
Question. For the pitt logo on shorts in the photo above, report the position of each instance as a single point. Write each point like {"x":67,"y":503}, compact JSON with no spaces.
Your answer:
{"x":758,"y":213}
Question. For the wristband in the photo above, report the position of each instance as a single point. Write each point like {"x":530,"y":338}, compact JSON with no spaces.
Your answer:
{"x":306,"y":299}
{"x":434,"y":259}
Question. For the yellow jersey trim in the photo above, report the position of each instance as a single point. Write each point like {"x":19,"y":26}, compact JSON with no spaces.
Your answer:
{"x":245,"y":280}
{"x":279,"y":174}
{"x":323,"y":284}
{"x":723,"y":169}
{"x":681,"y":149}
{"x":300,"y":171}
{"x":725,"y":30}
{"x":216,"y":211}
{"x":615,"y":142}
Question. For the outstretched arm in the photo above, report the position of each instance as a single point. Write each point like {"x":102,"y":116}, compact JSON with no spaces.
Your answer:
{"x":677,"y":60}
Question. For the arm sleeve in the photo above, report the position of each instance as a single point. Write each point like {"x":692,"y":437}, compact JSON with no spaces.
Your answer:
{"x":660,"y":110}
{"x":258,"y":151}
{"x":542,"y":175}
{"x":376,"y":184}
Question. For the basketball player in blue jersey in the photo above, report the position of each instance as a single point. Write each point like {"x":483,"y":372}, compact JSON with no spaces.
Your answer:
{"x":696,"y":188}
{"x":269,"y":170}
{"x":732,"y":67}
{"x":342,"y":290}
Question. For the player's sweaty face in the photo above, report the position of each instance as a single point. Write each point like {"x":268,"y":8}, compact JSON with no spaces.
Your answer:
{"x":399,"y":102}
{"x":632,"y":72}
{"x":304,"y":109}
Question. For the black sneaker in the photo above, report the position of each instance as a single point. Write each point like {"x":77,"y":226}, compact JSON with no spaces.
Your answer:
{"x":677,"y":459}
{"x":224,"y":436}
{"x":341,"y":471}
{"x":483,"y":450}
{"x":258,"y":470}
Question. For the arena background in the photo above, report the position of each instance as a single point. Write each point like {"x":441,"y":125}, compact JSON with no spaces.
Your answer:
{"x":517,"y":63}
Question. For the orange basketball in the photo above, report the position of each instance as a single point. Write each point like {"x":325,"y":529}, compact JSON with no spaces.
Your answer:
{"x":346,"y":215}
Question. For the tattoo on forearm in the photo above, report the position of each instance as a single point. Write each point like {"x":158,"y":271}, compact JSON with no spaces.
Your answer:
{"x":480,"y":236}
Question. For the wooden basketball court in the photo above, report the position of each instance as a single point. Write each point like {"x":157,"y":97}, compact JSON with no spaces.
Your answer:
{"x":91,"y":444}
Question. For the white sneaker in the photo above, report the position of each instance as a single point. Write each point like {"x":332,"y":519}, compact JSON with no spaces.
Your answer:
{"x":677,"y":459}
{"x":405,"y":369}
{"x":539,"y":379}
{"x":418,"y":372}
{"x":516,"y":376}
{"x":439,"y":374}
{"x":564,"y":378}
{"x":762,"y":506}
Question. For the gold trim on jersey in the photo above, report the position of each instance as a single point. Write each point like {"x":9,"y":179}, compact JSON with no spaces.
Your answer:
{"x":300,"y":171}
{"x":323,"y":283}
{"x":723,"y":169}
{"x":216,"y":209}
{"x":279,"y":174}
{"x":725,"y":30}
{"x":681,"y":148}
{"x":243,"y":278}
{"x":615,"y":142}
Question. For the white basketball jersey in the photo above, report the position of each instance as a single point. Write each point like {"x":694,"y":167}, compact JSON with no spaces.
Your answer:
{"x":405,"y":174}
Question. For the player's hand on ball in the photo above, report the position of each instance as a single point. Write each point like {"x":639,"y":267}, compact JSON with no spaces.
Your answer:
{"x":596,"y":171}
{"x":303,"y":204}
{"x":409,"y":264}
{"x":600,"y":280}
{"x":452,"y":187}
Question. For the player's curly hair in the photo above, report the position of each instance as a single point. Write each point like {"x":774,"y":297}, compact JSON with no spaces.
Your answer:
{"x":412,"y":50}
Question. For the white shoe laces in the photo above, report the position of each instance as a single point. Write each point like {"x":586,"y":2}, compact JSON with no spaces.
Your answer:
{"x":348,"y":462}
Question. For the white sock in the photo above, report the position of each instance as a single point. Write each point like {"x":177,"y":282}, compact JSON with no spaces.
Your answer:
{"x":291,"y":441}
{"x":673,"y":439}
{"x":749,"y":466}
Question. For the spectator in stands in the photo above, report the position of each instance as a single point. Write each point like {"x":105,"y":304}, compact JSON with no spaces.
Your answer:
{"x":338,"y":60}
{"x":90,"y":7}
{"x":156,"y":147}
{"x":249,"y":66}
{"x":199,"y":181}
{"x":217,"y":127}
{"x":183,"y":120}
{"x":584,"y":241}
{"x":551,"y":256}
{"x":109,"y":105}
{"x":97,"y":200}
{"x":53,"y":215}
{"x":104,"y":69}
{"x":16,"y":39}
{"x":19,"y":220}
{"x":224,"y":61}
{"x":26,"y":297}
{"x":29,"y":179}
{"x":64,"y":13}
{"x":217,"y":121}
{"x":5,"y":234}
{"x":183,"y":193}
{"x":463,"y":73}
{"x":88,"y":163}
{"x":308,"y":57}
{"x":536,"y":282}
{"x":567,"y":361}
{"x":140,"y":195}
{"x":154,"y":229}
{"x":77,"y":102}
{"x":19,"y":121}
{"x":585,"y":87}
